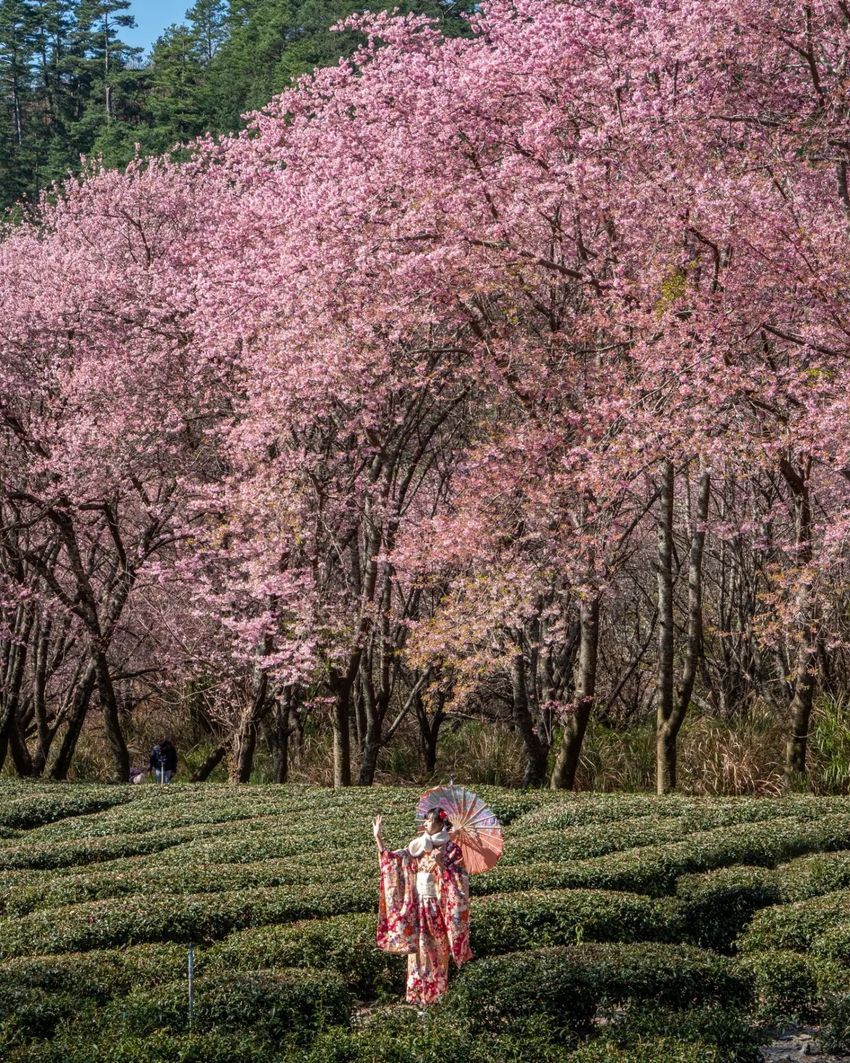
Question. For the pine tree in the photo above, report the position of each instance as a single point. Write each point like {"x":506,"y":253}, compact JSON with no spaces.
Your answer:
{"x":71,"y":86}
{"x":110,"y":84}
{"x":176,"y":99}
{"x":16,"y":60}
{"x":209,"y":27}
{"x":100,"y":23}
{"x":53,"y":26}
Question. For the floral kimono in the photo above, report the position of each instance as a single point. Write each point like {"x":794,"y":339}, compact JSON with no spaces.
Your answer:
{"x":423,"y":910}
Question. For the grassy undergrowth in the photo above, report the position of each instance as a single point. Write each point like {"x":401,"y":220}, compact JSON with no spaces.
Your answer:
{"x":617,"y":927}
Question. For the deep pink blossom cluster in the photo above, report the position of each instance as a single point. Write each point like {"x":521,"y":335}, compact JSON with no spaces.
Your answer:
{"x":352,"y":396}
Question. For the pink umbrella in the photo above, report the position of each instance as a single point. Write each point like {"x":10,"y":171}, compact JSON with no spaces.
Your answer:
{"x":475,"y":827}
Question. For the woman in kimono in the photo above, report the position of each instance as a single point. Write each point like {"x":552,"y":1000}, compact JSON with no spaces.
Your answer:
{"x":423,"y":906}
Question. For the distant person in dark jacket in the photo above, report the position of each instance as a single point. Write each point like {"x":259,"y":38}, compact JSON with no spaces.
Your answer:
{"x":163,"y":761}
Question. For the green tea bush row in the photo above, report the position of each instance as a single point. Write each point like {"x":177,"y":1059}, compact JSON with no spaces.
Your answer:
{"x":532,"y":919}
{"x":178,"y":917}
{"x":345,"y":944}
{"x":25,"y":808}
{"x":717,"y":905}
{"x":655,"y":869}
{"x":279,"y":1007}
{"x":81,"y":1044}
{"x":399,"y":1035}
{"x":790,"y":986}
{"x":835,"y":1029}
{"x":653,"y":1050}
{"x":647,"y":869}
{"x":276,"y":1005}
{"x":795,"y":926}
{"x":833,"y":943}
{"x":29,"y":894}
{"x":812,"y":876}
{"x":563,"y":986}
{"x":696,"y":812}
{"x":30,"y":1014}
{"x":500,"y":923}
{"x":726,"y":1030}
{"x":91,"y":977}
{"x":49,"y":855}
{"x":591,"y":839}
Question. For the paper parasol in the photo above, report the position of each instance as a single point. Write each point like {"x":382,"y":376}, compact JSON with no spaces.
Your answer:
{"x":474,"y":827}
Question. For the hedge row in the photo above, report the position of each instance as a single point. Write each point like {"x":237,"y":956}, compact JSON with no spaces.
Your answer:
{"x":717,"y":905}
{"x":276,"y":1005}
{"x":178,"y":917}
{"x":652,"y":870}
{"x":282,"y":1009}
{"x":795,"y":926}
{"x":390,"y":1039}
{"x":562,"y":987}
{"x":94,"y":976}
{"x":24,"y":808}
{"x":511,"y":922}
{"x":726,"y":1031}
{"x":835,"y":1029}
{"x":655,"y":869}
{"x":344,"y":943}
{"x":80,"y":1044}
{"x":592,"y":839}
{"x":50,"y":855}
{"x":791,"y":986}
{"x":21,"y":895}
{"x":701,"y":812}
{"x":499,"y":924}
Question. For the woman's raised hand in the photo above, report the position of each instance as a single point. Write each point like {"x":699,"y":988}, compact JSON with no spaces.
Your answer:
{"x":376,"y":830}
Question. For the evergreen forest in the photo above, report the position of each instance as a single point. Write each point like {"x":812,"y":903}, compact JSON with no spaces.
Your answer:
{"x":73,"y":88}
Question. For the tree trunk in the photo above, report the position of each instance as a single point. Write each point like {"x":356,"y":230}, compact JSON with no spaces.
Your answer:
{"x":213,"y":760}
{"x":243,"y":745}
{"x":18,"y":747}
{"x":694,"y":649}
{"x":112,"y":720}
{"x":536,"y":752}
{"x":668,"y":726}
{"x":805,"y":665}
{"x":244,"y":738}
{"x":44,"y":732}
{"x":10,"y":690}
{"x":277,"y":731}
{"x":281,"y":753}
{"x":429,"y":736}
{"x":566,"y":764}
{"x":373,"y":721}
{"x":665,"y":730}
{"x":341,"y":687}
{"x":82,"y":698}
{"x":429,"y":729}
{"x":369,"y":761}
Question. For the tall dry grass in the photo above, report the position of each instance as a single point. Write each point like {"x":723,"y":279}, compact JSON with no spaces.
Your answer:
{"x":743,"y":756}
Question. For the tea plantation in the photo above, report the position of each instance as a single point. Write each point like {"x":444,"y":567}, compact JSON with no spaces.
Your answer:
{"x":616,"y":928}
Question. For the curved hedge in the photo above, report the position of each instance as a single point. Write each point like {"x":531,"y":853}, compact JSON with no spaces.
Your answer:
{"x":790,"y":986}
{"x":281,"y":1006}
{"x":535,"y":918}
{"x":598,"y":937}
{"x":345,"y":944}
{"x":795,"y":926}
{"x":563,"y":986}
{"x":194,"y":918}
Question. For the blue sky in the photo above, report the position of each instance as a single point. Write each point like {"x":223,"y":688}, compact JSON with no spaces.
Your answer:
{"x":152,"y":16}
